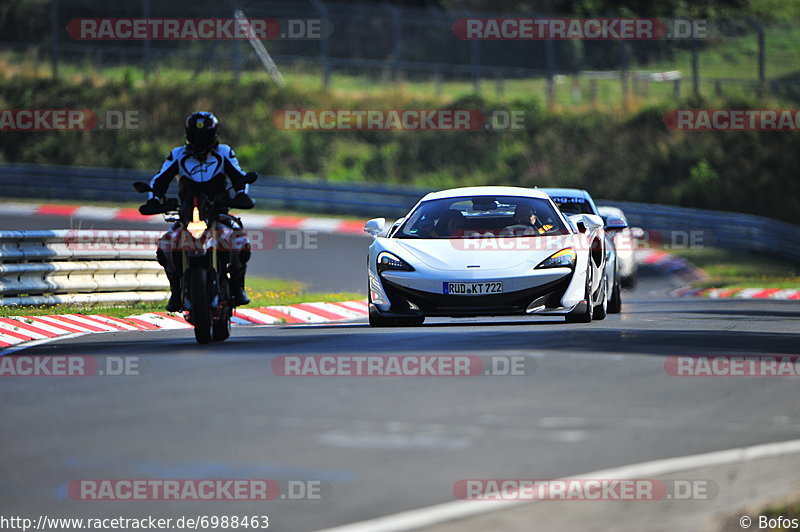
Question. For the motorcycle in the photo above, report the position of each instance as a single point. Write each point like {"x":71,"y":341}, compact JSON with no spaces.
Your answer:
{"x":203,"y":244}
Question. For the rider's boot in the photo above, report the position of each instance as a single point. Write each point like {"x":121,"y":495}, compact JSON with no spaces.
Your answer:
{"x":238,"y":295}
{"x":175,"y":302}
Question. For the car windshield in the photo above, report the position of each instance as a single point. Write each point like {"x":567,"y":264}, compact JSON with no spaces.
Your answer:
{"x":483,"y":217}
{"x":569,"y":205}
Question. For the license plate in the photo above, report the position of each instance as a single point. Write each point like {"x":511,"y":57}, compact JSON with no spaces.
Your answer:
{"x":473,"y":289}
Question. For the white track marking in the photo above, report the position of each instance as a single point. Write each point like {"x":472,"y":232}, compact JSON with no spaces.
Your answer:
{"x":336,"y":309}
{"x":261,"y":317}
{"x":21,"y":330}
{"x":451,"y":511}
{"x":58,"y":323}
{"x":43,"y":325}
{"x":96,"y":213}
{"x":34,"y":343}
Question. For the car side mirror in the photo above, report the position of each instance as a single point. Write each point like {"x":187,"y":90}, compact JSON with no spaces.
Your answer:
{"x":615,"y":224}
{"x":375,"y":226}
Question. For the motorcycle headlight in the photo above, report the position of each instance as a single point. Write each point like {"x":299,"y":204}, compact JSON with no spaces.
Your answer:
{"x":388,"y":261}
{"x":197,"y":226}
{"x":561,"y":259}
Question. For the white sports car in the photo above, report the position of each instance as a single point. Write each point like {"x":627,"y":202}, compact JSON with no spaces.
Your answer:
{"x":571,"y":201}
{"x":625,"y":242}
{"x":486,"y":251}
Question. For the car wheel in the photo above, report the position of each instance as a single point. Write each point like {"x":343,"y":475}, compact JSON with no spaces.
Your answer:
{"x":586,"y":315}
{"x":629,"y":282}
{"x":601,"y":310}
{"x":376,"y":320}
{"x":615,"y":303}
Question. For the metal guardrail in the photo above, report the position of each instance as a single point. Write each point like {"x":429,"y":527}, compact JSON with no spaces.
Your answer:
{"x":114,"y":185}
{"x":682,"y":227}
{"x":712,"y":228}
{"x":66,"y":266}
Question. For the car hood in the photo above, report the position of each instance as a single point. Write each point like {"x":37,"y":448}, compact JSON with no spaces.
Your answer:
{"x":486,"y":254}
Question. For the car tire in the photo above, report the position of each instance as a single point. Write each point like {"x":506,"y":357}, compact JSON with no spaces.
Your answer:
{"x":615,"y":302}
{"x":586,"y":315}
{"x":601,"y":310}
{"x":376,"y":320}
{"x":629,"y":282}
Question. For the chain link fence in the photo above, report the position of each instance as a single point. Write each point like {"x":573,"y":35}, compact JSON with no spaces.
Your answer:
{"x":388,"y":43}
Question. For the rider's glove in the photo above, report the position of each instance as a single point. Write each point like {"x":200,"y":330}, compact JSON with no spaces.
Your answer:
{"x":154,"y":205}
{"x":241,"y":201}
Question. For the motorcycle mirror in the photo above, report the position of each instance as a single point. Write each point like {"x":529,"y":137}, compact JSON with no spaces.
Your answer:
{"x":141,"y":186}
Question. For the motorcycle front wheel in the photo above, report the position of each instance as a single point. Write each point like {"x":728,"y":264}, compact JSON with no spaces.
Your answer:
{"x":201,"y":306}
{"x":222,"y":328}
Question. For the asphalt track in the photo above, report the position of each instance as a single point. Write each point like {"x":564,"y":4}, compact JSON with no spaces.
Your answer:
{"x":596,"y":396}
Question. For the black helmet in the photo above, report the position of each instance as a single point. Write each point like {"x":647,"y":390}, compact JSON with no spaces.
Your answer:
{"x":202,"y":129}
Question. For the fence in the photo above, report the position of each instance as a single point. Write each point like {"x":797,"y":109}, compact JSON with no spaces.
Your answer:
{"x":65,"y":266}
{"x":395,"y":42}
{"x":716,"y":228}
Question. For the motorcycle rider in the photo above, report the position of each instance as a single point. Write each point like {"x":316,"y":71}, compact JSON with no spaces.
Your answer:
{"x":203,"y":165}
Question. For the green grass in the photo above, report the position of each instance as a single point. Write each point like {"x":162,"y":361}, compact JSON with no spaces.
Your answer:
{"x":263,"y":292}
{"x":787,"y":511}
{"x":720,"y":57}
{"x":736,"y":269}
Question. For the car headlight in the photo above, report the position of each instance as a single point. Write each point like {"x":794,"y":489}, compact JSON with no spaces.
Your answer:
{"x":388,"y":261}
{"x":561,"y":259}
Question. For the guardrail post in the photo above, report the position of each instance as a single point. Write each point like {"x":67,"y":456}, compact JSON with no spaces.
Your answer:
{"x":550,"y":54}
{"x":695,"y":69}
{"x":762,"y":75}
{"x":499,"y":84}
{"x":474,"y":58}
{"x":623,"y":73}
{"x":397,"y":39}
{"x":324,"y":44}
{"x":54,"y":45}
{"x":146,"y":42}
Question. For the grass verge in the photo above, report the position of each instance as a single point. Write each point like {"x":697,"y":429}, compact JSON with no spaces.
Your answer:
{"x":737,"y":269}
{"x":263,"y":292}
{"x":785,"y":511}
